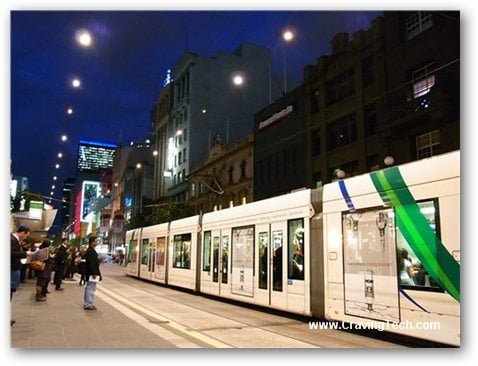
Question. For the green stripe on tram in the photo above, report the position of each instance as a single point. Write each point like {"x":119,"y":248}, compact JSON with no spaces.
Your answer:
{"x":413,"y":225}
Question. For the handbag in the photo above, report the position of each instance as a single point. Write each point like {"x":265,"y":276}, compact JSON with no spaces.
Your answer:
{"x":37,"y":266}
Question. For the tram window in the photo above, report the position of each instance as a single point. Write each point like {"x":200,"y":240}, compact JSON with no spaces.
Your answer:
{"x":277,"y":260}
{"x":225,"y":257}
{"x":410,"y":270}
{"x":263,"y":259}
{"x":182,"y":251}
{"x":144,"y":251}
{"x":207,"y":252}
{"x":296,"y":249}
{"x":133,"y":250}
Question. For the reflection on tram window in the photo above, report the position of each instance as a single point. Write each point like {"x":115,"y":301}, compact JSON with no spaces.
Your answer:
{"x":182,"y":251}
{"x":296,"y":249}
{"x":207,"y":252}
{"x":144,"y":251}
{"x":133,"y":251}
{"x":263,"y":259}
{"x":410,"y":269}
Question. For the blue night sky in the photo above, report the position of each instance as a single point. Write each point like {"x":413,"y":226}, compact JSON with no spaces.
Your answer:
{"x":123,"y":73}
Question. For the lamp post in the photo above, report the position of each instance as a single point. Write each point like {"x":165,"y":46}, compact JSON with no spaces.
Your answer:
{"x":288,"y":36}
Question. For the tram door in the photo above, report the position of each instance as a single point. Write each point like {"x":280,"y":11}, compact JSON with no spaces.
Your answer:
{"x":220,"y":259}
{"x":277,"y":269}
{"x":160,"y":272}
{"x":148,"y":254}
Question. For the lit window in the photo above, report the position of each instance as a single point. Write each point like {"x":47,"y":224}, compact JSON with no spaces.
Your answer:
{"x":423,"y":80}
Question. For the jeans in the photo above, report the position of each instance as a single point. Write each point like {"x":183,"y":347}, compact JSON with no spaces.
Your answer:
{"x":14,"y":280}
{"x":90,"y":290}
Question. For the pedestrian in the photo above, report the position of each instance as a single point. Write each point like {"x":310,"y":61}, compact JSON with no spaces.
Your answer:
{"x":16,"y":254}
{"x":92,"y":274}
{"x":60,"y":262}
{"x":80,"y":262}
{"x":44,"y":276}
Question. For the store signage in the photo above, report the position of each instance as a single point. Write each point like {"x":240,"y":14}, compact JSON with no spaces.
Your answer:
{"x":276,"y":117}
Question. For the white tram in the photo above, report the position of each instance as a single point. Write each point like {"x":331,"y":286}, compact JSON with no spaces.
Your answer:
{"x":380,"y":249}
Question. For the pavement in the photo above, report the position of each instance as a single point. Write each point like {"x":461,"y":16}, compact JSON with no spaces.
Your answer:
{"x":140,"y":314}
{"x":61,"y":322}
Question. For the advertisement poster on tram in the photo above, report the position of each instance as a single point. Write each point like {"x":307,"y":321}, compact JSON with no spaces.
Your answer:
{"x":242,"y":261}
{"x":371,"y":288}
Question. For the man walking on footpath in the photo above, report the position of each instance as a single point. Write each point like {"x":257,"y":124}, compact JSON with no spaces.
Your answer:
{"x":60,"y":262}
{"x":92,"y":274}
{"x":16,"y":254}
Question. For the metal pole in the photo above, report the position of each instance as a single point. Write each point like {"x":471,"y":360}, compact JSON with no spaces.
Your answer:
{"x":227,"y":132}
{"x":285,"y":73}
{"x":270,"y":80}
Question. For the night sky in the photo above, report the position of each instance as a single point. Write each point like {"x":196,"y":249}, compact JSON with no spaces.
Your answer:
{"x":123,"y":72}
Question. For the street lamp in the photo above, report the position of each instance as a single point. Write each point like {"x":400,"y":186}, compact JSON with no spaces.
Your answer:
{"x":237,"y":79}
{"x":64,"y":138}
{"x":69,"y":111}
{"x":60,"y":155}
{"x":76,"y":83}
{"x":83,"y":37}
{"x":389,"y":160}
{"x":57,"y":166}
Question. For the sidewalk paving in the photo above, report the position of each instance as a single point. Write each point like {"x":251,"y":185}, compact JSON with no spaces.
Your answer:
{"x":61,"y":322}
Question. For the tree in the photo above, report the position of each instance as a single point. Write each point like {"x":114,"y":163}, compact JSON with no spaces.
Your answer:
{"x":170,"y":211}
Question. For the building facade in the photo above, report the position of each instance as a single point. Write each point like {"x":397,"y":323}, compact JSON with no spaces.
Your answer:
{"x":159,"y":123}
{"x":279,"y":138}
{"x":224,"y":178}
{"x":208,"y":106}
{"x":391,"y":90}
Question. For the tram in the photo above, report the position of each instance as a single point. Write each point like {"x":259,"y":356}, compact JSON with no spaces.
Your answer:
{"x":380,"y":249}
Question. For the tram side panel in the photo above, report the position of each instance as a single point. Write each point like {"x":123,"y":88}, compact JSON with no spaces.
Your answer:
{"x":317,"y":265}
{"x":132,"y":240}
{"x":153,"y":248}
{"x":366,"y":248}
{"x":183,"y":237}
{"x":264,"y":249}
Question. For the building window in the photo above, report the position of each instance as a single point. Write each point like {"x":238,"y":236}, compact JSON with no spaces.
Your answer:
{"x":417,"y":23}
{"x":342,"y":132}
{"x":340,"y":87}
{"x":423,"y":80}
{"x":316,"y":142}
{"x":368,"y":71}
{"x":184,"y":155}
{"x":180,"y":157}
{"x":428,"y":144}
{"x":243,"y":169}
{"x":229,"y":173}
{"x":185,"y":134}
{"x":314,"y":101}
{"x":184,"y":174}
{"x":370,"y":120}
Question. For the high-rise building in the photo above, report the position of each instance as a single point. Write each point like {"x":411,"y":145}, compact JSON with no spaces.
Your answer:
{"x":66,"y":198}
{"x":95,"y":156}
{"x":213,"y":101}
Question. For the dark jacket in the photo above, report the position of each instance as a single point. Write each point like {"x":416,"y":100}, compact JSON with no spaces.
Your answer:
{"x":60,"y":256}
{"x":92,"y":264}
{"x":16,"y":254}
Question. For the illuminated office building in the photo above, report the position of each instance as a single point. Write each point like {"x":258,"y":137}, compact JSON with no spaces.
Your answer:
{"x":95,"y":156}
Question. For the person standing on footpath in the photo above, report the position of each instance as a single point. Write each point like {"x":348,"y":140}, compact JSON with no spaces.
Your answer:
{"x":92,"y":274}
{"x":43,"y":276}
{"x":16,"y":254}
{"x":60,"y":262}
